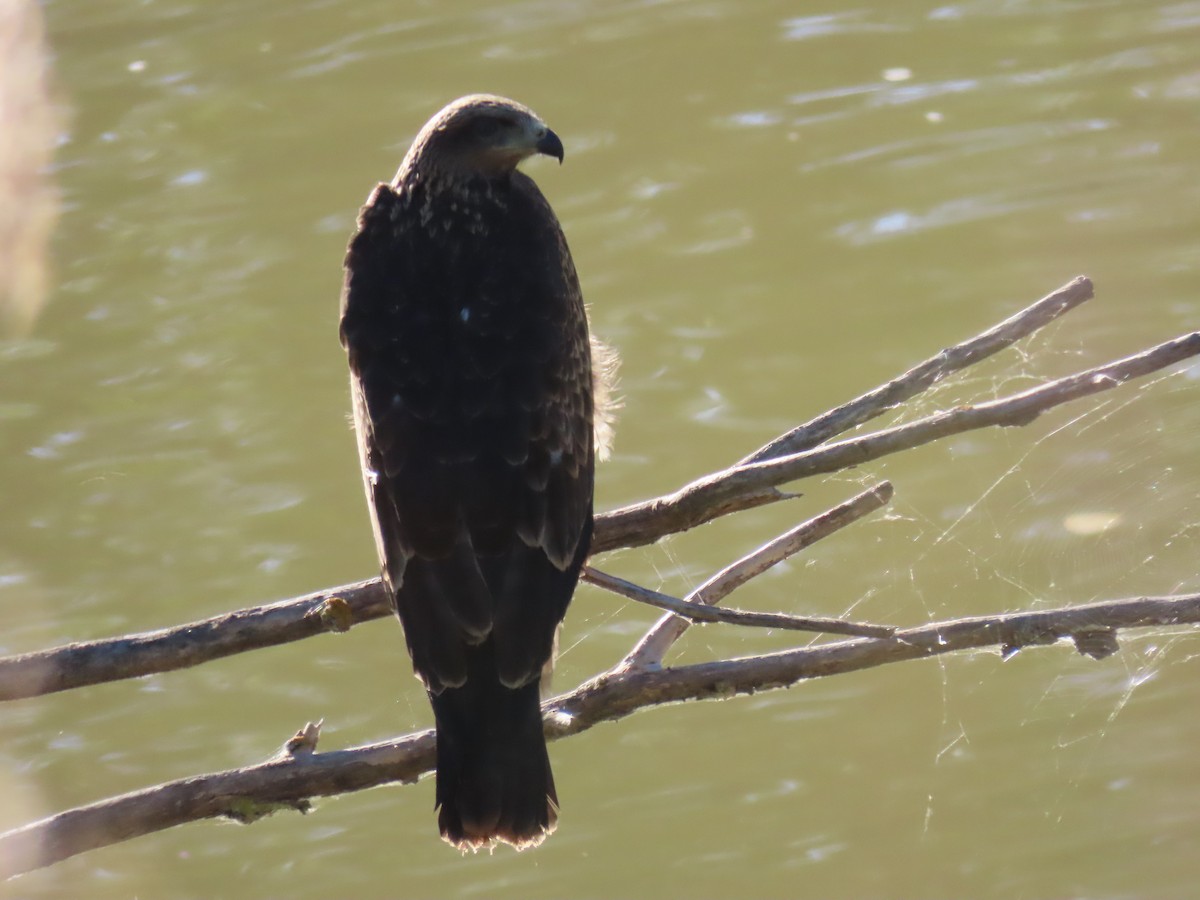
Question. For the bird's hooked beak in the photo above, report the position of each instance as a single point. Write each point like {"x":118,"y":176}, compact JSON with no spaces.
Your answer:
{"x":550,"y":145}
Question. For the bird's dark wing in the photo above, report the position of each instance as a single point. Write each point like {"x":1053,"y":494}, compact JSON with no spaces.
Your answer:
{"x":471,"y":378}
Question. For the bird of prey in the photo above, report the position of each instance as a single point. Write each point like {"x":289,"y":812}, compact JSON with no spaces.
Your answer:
{"x":477,"y":396}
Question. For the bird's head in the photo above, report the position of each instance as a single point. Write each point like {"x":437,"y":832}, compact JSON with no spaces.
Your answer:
{"x":481,"y":134}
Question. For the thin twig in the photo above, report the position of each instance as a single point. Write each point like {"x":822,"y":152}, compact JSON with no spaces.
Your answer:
{"x":652,"y":648}
{"x":699,"y":612}
{"x":922,"y":377}
{"x":289,"y":781}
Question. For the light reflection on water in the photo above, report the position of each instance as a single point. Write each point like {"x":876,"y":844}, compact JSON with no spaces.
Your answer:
{"x":773,"y":209}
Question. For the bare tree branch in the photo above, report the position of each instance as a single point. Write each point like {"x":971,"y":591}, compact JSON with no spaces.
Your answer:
{"x":691,"y":502}
{"x":133,"y":656}
{"x":920,"y":378}
{"x":93,"y":662}
{"x":287,"y":781}
{"x":715,"y":495}
{"x":291,"y":779}
{"x":651,"y":649}
{"x":298,"y":773}
{"x":700,"y":612}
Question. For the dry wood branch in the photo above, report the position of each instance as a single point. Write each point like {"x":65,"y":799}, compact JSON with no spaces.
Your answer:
{"x":290,"y":781}
{"x":616,"y":694}
{"x":699,"y":612}
{"x":286,"y":781}
{"x":651,"y":649}
{"x":93,"y":662}
{"x":920,"y":378}
{"x":739,"y":488}
{"x":690,"y":501}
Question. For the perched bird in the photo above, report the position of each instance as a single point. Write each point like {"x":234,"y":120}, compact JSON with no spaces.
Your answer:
{"x":478,"y":397}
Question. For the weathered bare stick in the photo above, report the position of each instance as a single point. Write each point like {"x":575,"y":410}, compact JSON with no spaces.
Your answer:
{"x":289,"y":781}
{"x":93,"y":662}
{"x":650,"y":650}
{"x":245,"y":795}
{"x":920,"y":378}
{"x":643,"y":523}
{"x":699,"y":612}
{"x":689,"y":503}
{"x":618,"y":693}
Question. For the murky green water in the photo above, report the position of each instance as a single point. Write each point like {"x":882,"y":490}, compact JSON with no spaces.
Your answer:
{"x":773,"y":207}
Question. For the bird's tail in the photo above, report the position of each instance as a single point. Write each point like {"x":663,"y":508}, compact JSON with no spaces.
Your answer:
{"x":493,"y":772}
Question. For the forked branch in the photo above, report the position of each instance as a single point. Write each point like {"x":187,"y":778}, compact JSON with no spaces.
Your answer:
{"x":738,"y":488}
{"x":292,"y":778}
